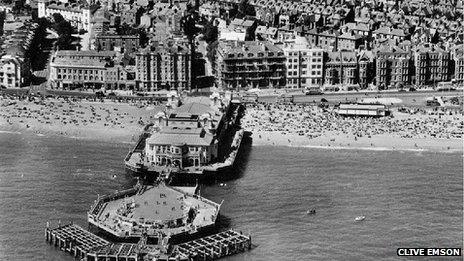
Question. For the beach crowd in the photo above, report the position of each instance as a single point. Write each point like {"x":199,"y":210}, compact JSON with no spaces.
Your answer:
{"x":75,"y":116}
{"x":270,"y":123}
{"x":313,"y":121}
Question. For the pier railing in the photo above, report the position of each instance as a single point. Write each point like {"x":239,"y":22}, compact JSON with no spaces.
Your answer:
{"x":230,"y":160}
{"x":202,"y":199}
{"x":101,"y":200}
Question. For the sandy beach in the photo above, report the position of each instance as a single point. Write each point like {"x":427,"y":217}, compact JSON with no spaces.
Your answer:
{"x":270,"y":124}
{"x":104,"y":121}
{"x":311,"y":126}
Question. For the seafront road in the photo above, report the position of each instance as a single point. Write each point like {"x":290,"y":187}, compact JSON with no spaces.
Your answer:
{"x":416,"y":98}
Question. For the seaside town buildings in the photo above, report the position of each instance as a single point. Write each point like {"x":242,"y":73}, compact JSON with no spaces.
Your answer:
{"x":348,"y":44}
{"x":459,"y":65}
{"x":79,"y":15}
{"x":372,"y":43}
{"x":15,"y":67}
{"x":341,"y":70}
{"x":393,"y":67}
{"x":163,"y":67}
{"x":71,"y":70}
{"x":431,"y":64}
{"x":304,"y":64}
{"x":112,"y":42}
{"x":249,"y":63}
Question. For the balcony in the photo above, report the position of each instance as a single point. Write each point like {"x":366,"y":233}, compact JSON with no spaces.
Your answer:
{"x":168,"y":153}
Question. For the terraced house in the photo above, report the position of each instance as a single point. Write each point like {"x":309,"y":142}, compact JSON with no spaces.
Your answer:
{"x":431,"y":65}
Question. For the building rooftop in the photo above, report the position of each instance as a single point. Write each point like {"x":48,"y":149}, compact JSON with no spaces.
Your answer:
{"x":66,"y":62}
{"x":181,"y":136}
{"x":89,"y":53}
{"x":193,"y":108}
{"x":249,"y":47}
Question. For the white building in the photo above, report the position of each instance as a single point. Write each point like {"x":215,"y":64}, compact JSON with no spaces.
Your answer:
{"x":11,"y":72}
{"x":78,"y":15}
{"x":304,"y":64}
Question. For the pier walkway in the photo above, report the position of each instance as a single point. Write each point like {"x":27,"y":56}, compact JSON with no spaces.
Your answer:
{"x":216,"y":246}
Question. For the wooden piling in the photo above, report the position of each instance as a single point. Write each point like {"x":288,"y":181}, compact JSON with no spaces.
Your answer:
{"x":216,"y":246}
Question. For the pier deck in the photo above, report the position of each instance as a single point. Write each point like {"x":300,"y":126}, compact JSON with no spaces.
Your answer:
{"x":216,"y":246}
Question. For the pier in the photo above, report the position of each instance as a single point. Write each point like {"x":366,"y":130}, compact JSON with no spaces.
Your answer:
{"x":74,"y":239}
{"x":84,"y":245}
{"x":216,"y":246}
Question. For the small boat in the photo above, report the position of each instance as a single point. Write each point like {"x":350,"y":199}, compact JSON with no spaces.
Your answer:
{"x":360,"y":218}
{"x":311,"y":211}
{"x":222,"y":184}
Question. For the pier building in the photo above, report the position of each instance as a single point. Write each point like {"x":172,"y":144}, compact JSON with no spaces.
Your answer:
{"x":194,"y":137}
{"x":187,"y":134}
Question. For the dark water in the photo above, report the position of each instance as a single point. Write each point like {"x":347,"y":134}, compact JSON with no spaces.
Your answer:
{"x":409,"y":199}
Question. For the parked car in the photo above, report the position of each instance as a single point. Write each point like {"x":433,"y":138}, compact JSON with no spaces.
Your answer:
{"x":313,"y":92}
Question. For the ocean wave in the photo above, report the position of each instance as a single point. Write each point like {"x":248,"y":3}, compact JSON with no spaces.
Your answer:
{"x":360,"y":148}
{"x":11,"y":132}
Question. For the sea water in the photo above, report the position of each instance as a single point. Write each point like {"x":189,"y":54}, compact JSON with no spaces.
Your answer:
{"x":409,"y":199}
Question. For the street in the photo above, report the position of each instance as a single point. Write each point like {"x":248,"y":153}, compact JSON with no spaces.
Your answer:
{"x":416,"y":98}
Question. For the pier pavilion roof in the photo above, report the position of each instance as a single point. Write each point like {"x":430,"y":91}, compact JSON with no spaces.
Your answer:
{"x":182,"y":136}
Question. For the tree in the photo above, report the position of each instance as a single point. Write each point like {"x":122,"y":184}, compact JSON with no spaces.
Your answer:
{"x":210,"y":33}
{"x":244,"y":9}
{"x":57,"y":18}
{"x":64,"y":31}
{"x":211,"y":51}
{"x":188,"y":23}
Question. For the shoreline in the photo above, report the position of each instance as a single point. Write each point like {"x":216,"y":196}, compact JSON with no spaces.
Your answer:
{"x":375,"y":143}
{"x":401,"y":144}
{"x":100,"y":135}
